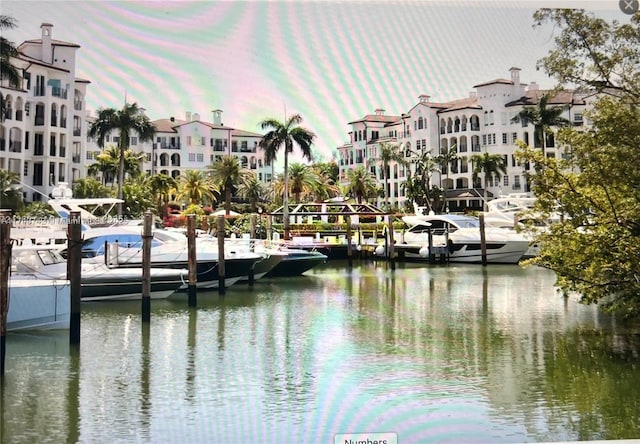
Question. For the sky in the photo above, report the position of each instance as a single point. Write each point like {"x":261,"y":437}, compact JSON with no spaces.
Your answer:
{"x":330,"y":61}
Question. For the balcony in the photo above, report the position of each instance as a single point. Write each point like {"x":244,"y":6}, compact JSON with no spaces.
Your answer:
{"x":169,"y":146}
{"x":77,"y":131}
{"x":39,"y":120}
{"x":75,"y":158}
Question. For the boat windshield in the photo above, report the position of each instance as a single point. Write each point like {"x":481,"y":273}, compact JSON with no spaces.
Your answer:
{"x":463,"y":221}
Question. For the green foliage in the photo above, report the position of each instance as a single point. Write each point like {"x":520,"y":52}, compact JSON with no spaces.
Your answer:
{"x":137,"y":199}
{"x":89,"y":187}
{"x":10,"y":191}
{"x":596,"y":248}
{"x":37,"y":210}
{"x":592,"y":53}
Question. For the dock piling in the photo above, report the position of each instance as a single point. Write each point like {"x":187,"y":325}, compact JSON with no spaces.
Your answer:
{"x":146,"y":267}
{"x":192,"y":260}
{"x":5,"y":261}
{"x":221,"y":270}
{"x":74,"y":270}
{"x":483,"y":240}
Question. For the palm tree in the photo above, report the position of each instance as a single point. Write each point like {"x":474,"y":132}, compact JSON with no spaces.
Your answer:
{"x":106,"y":165}
{"x":251,"y":189}
{"x":10,"y":194}
{"x":227,"y":174}
{"x":8,"y":51}
{"x":542,"y":118}
{"x":445,"y":159}
{"x":162,"y":186}
{"x":389,"y":152}
{"x":285,"y":133}
{"x":362,"y":184}
{"x":490,"y":165}
{"x":302,"y":181}
{"x":108,"y":160}
{"x":196,"y":188}
{"x":326,"y":187}
{"x":130,"y":119}
{"x":418,"y":186}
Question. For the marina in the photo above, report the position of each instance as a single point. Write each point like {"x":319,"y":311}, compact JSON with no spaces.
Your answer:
{"x":431,"y":352}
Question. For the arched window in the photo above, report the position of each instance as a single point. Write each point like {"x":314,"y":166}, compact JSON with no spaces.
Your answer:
{"x":54,"y":114}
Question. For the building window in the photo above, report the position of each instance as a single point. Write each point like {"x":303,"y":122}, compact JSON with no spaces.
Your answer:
{"x":514,"y":137}
{"x":505,"y":138}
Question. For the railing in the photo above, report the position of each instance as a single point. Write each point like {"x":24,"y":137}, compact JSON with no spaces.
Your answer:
{"x":39,"y":120}
{"x":75,"y":158}
{"x":15,"y":146}
{"x":170,"y":146}
{"x":77,"y":131}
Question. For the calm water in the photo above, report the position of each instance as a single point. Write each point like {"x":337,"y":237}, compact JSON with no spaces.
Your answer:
{"x":444,"y":353}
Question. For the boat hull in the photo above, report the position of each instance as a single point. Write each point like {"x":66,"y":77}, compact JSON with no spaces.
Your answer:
{"x":471,"y":252}
{"x":39,"y":304}
{"x":295,"y":264}
{"x":124,"y":284}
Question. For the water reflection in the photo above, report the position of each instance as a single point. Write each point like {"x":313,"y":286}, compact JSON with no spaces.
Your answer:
{"x":435,"y":353}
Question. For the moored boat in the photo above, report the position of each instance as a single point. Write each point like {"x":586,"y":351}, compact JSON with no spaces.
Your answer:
{"x":43,"y":304}
{"x":461,"y":235}
{"x":98,"y":281}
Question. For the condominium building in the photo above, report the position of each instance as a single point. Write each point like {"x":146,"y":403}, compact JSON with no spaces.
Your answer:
{"x":482,"y":122}
{"x":43,"y":130}
{"x":192,"y":144}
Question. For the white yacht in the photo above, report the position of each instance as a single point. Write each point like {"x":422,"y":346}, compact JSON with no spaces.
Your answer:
{"x":461,"y":235}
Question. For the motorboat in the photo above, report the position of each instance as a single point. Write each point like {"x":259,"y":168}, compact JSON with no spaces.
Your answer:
{"x":516,"y":212}
{"x":296,"y":261}
{"x":121,"y":247}
{"x":99,"y":282}
{"x":42,"y":304}
{"x":461,"y":235}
